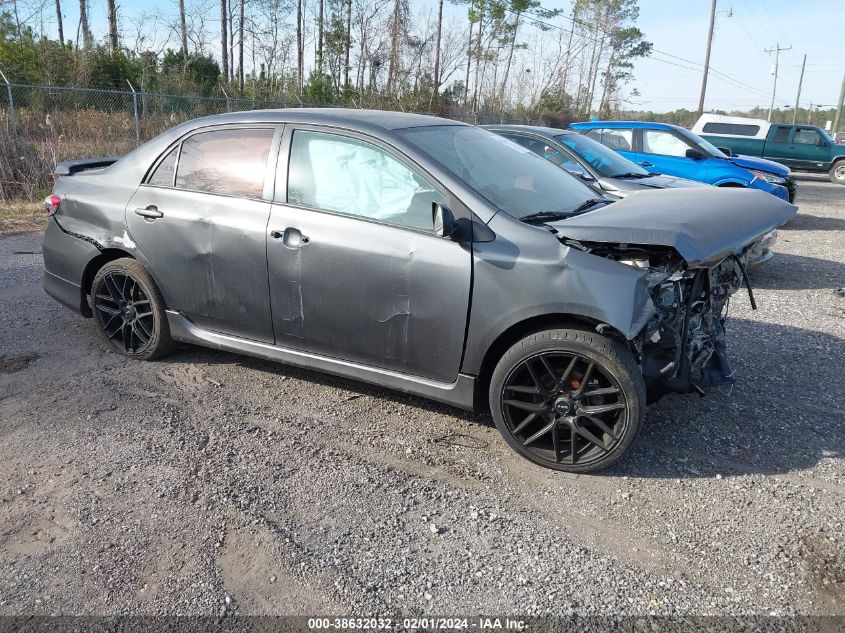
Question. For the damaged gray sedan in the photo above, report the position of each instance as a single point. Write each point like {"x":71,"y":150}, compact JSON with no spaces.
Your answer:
{"x":415,"y":253}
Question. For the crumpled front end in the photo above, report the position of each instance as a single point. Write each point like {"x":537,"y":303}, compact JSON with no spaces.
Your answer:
{"x":683,"y":347}
{"x":681,"y":343}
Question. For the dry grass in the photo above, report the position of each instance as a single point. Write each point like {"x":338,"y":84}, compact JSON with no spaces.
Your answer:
{"x":21,"y":217}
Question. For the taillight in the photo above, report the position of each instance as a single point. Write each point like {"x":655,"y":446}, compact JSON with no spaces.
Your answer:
{"x":51,"y":204}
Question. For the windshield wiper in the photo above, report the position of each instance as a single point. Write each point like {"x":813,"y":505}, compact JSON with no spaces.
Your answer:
{"x":631,"y":174}
{"x":587,"y":204}
{"x":543,"y":216}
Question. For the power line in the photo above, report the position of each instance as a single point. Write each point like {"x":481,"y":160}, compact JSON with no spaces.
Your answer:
{"x":698,"y":66}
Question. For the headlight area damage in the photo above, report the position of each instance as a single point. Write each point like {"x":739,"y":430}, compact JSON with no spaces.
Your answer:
{"x":693,"y":260}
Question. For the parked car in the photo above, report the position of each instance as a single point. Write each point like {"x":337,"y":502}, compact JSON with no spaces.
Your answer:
{"x":668,"y":149}
{"x":801,"y":147}
{"x":414,"y":253}
{"x":588,"y":159}
{"x":607,"y":170}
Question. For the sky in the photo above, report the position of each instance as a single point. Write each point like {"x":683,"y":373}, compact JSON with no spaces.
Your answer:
{"x":678,"y":29}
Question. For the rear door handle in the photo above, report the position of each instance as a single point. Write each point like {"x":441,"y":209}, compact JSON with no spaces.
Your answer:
{"x":645,"y":163}
{"x":151,"y":212}
{"x":291,"y":237}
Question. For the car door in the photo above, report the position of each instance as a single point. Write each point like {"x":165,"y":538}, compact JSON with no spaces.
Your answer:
{"x":664,"y":152}
{"x":356,"y":270}
{"x":778,"y":145}
{"x":200,"y":221}
{"x":808,"y":148}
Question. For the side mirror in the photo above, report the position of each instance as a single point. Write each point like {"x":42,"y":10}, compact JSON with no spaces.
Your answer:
{"x":695,"y":154}
{"x":443,"y":220}
{"x":725,"y":150}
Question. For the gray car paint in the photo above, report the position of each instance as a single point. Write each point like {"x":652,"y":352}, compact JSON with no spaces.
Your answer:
{"x":430,"y":309}
{"x":616,"y":186}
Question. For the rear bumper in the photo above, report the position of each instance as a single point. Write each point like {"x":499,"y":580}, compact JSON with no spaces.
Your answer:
{"x":65,"y":292}
{"x":65,"y":260}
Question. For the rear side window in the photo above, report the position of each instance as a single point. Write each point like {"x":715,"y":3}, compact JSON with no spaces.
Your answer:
{"x":231,"y":162}
{"x":781,"y":135}
{"x":343,"y":175}
{"x":736,"y":129}
{"x":163,"y":174}
{"x":614,"y":138}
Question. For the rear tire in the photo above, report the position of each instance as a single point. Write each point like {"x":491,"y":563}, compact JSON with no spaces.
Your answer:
{"x":567,"y":399}
{"x":129,"y":310}
{"x":837,"y":172}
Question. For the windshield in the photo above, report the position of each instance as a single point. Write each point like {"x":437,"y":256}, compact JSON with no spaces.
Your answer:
{"x":705,"y":145}
{"x":605,"y":161}
{"x":509,"y":176}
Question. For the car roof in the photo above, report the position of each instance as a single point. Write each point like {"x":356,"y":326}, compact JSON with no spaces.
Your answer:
{"x":350,"y":118}
{"x":548,"y":132}
{"x":585,"y":125}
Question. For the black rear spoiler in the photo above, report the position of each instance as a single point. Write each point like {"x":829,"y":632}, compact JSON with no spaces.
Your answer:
{"x":71,"y":167}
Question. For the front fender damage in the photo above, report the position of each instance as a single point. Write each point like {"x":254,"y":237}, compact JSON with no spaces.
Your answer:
{"x":677,"y":328}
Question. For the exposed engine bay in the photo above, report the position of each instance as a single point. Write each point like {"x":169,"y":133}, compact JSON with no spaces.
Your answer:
{"x":683,"y":345}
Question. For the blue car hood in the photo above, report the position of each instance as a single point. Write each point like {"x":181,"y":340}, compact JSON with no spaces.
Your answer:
{"x":750,"y":162}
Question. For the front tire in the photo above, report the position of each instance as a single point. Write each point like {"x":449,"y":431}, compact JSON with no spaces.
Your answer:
{"x":567,"y":399}
{"x":837,"y":173}
{"x":129,"y":310}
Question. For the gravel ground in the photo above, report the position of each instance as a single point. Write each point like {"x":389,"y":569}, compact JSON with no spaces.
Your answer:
{"x":211,"y":483}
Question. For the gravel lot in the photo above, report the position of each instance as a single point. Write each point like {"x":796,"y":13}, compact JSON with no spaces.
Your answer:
{"x":211,"y":483}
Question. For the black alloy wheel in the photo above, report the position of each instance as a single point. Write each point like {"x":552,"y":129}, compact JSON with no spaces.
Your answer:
{"x":124,"y":312}
{"x":574,"y":404}
{"x":129,"y":310}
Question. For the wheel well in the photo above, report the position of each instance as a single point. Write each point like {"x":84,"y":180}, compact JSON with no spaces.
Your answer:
{"x":731,"y":184}
{"x":106,"y":255}
{"x":522,"y":329}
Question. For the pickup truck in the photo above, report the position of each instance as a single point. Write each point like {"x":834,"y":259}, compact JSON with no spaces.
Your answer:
{"x":800,"y":147}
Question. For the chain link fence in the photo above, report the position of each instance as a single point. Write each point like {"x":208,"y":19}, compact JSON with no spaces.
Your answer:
{"x":41,"y":126}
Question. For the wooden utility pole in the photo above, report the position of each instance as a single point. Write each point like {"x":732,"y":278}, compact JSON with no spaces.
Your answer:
{"x":183,"y":30}
{"x":776,"y":50}
{"x":707,"y":58}
{"x":798,"y":96}
{"x":838,"y":116}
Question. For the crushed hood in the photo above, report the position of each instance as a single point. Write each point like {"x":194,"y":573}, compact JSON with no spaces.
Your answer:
{"x":703,"y":225}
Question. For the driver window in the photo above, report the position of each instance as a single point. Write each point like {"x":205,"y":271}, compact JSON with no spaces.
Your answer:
{"x":806,"y":136}
{"x":664,"y":143}
{"x":342,"y":175}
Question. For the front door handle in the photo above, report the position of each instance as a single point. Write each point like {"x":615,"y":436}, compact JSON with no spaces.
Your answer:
{"x":645,"y":163}
{"x":151,"y":212}
{"x":291,"y":238}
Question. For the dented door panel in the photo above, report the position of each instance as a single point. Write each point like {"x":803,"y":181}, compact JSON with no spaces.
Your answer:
{"x":369,"y":293}
{"x":207,"y":252}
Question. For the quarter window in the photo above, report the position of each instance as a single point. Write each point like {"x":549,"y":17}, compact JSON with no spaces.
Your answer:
{"x":163,"y":174}
{"x":664,"y":143}
{"x":343,"y":175}
{"x":232,"y":162}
